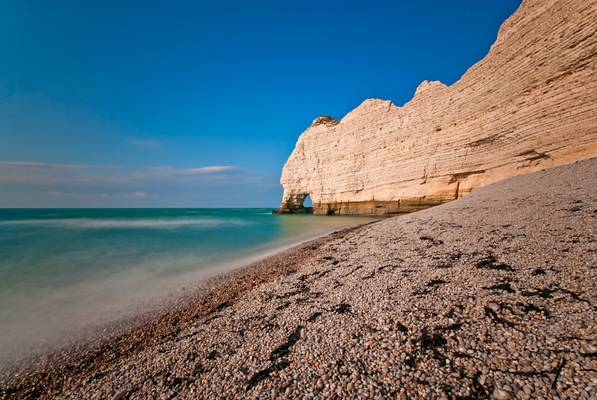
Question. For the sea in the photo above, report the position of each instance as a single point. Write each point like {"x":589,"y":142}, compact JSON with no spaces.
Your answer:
{"x":68,"y":271}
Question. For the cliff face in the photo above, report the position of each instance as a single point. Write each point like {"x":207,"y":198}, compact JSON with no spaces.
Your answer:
{"x":530,"y":104}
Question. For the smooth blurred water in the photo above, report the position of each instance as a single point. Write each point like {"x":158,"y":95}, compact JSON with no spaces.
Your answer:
{"x":62,"y":270}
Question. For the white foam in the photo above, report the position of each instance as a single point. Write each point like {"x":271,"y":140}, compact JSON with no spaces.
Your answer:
{"x":150,"y":223}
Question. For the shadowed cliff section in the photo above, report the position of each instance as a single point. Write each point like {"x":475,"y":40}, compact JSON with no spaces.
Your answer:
{"x":530,"y":104}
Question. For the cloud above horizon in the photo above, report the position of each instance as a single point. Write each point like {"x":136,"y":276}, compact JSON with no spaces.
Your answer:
{"x":213,"y":168}
{"x":80,"y":185}
{"x":210,"y":169}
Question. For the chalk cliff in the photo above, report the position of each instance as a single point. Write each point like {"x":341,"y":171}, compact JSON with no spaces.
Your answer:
{"x":530,"y":104}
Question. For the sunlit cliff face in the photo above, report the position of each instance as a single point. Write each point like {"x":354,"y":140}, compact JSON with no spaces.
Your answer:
{"x":528,"y":105}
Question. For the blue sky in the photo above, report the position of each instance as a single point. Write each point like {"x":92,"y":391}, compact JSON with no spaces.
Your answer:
{"x":198,"y":104}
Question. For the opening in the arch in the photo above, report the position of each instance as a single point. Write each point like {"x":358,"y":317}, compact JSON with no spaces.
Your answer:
{"x":307,"y":202}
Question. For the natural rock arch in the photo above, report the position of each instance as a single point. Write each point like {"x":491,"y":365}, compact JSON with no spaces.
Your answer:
{"x":295,"y":203}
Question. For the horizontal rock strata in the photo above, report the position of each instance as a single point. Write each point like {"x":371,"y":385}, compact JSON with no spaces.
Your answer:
{"x":530,"y":104}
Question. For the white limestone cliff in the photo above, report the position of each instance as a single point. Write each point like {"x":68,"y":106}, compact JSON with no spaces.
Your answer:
{"x":530,"y":104}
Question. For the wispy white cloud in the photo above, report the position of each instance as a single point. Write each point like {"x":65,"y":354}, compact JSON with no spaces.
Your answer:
{"x":209,"y":169}
{"x":44,"y":184}
{"x":213,"y":169}
{"x":161,"y":170}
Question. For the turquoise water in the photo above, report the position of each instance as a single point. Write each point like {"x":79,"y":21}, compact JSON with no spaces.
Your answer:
{"x":64,"y":270}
